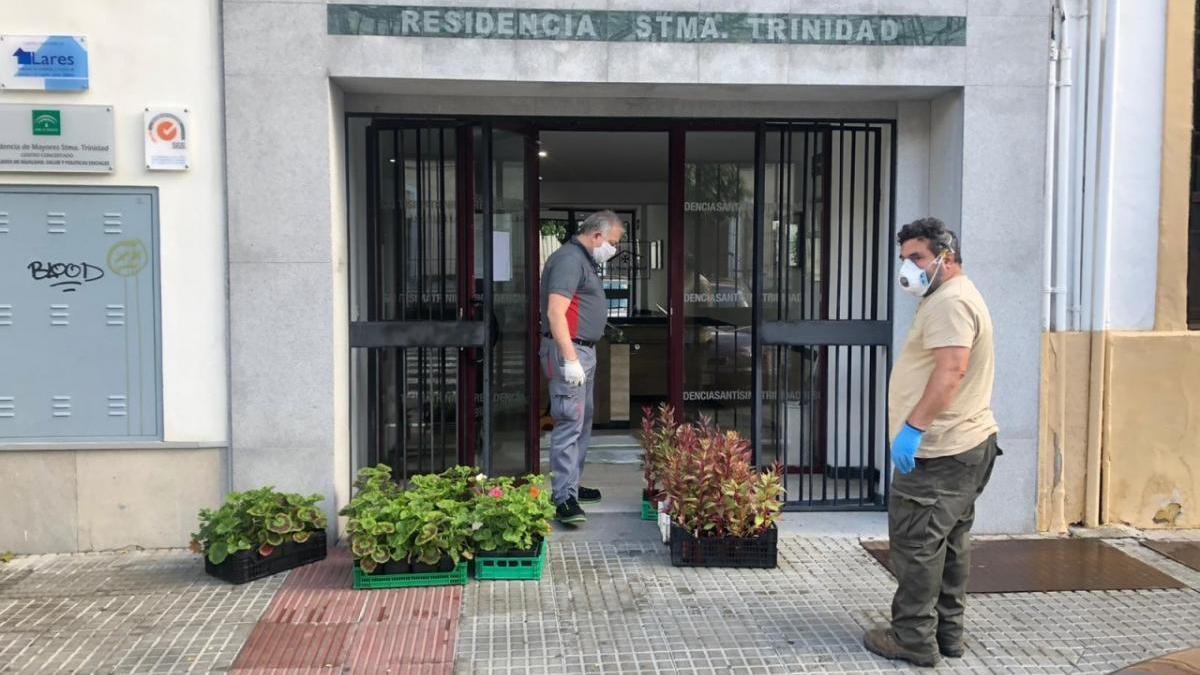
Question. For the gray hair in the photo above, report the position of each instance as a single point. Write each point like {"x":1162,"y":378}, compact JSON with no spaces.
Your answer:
{"x":934,"y":231}
{"x":600,"y":221}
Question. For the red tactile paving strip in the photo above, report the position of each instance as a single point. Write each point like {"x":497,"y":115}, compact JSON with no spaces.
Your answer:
{"x":1180,"y":663}
{"x":1044,"y":565}
{"x":317,"y":623}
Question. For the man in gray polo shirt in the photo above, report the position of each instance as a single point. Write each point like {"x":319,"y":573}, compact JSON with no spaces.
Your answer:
{"x":574,"y":312}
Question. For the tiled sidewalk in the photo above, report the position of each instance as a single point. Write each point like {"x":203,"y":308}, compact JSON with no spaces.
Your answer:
{"x":610,"y":603}
{"x":139,"y":612}
{"x":613,"y":604}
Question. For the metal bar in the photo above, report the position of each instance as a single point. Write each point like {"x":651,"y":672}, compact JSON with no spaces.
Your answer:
{"x":877,"y":246}
{"x":826,"y":286}
{"x":442,"y":290}
{"x":400,"y":302}
{"x":533,"y":384}
{"x":467,"y":367}
{"x":675,"y":250}
{"x":837,"y":351}
{"x":807,"y":367}
{"x":374,"y":443}
{"x":488,"y":282}
{"x":782,"y":213}
{"x":760,"y":158}
{"x":421,"y":208}
{"x":848,"y":256}
{"x":863,"y":353}
{"x":887,"y":455}
{"x":845,"y":333}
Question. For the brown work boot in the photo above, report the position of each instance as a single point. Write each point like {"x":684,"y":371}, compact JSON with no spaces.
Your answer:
{"x":951,"y":650}
{"x":882,"y":641}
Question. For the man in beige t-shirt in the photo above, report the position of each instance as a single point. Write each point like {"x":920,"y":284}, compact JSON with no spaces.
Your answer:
{"x":943,"y":445}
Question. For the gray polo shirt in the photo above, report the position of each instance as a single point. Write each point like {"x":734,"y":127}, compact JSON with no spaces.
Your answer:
{"x":571,"y":273}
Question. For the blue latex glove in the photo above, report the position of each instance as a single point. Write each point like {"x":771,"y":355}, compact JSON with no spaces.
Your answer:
{"x":904,"y":448}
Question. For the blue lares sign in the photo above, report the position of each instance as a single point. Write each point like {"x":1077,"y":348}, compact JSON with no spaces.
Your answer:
{"x":44,"y":63}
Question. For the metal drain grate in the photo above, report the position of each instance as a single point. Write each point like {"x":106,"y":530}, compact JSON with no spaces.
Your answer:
{"x":1183,"y":552}
{"x":1043,"y":565}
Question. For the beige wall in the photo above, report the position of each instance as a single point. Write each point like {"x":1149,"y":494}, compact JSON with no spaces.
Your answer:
{"x":1062,"y":464}
{"x":1171,"y":299}
{"x":59,"y":501}
{"x":1151,"y":463}
{"x":1147,"y":429}
{"x":1125,"y":422}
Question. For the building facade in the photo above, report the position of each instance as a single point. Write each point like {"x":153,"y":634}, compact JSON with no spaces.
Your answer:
{"x":347,"y":270}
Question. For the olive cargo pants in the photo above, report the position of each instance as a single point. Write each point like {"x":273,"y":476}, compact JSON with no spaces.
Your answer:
{"x":930,"y":513}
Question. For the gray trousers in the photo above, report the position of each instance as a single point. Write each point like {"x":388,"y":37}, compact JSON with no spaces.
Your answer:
{"x":571,"y":409}
{"x":930,"y":513}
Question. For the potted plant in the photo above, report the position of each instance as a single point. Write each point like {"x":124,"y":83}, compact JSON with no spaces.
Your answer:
{"x":372,"y":516}
{"x":659,"y":429}
{"x":410,"y":537}
{"x":260,"y":532}
{"x":440,"y":511}
{"x":509,"y":524}
{"x":723,"y":512}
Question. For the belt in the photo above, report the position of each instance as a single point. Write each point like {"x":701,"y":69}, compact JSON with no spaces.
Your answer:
{"x":581,"y":343}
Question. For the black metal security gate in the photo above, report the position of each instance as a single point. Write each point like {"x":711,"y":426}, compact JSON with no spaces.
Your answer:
{"x":779,"y":259}
{"x":823,"y":326}
{"x":438,"y":358}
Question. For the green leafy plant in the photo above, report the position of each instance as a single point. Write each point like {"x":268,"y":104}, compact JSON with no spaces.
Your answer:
{"x":658,"y":439}
{"x":422,"y":523}
{"x":377,"y":519}
{"x":713,"y":489}
{"x":258,"y":520}
{"x":559,"y":228}
{"x":7,"y":556}
{"x":440,"y":510}
{"x":509,"y":515}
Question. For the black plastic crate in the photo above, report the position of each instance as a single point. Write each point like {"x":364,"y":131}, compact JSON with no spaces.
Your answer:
{"x":757,"y":552}
{"x":246,"y":566}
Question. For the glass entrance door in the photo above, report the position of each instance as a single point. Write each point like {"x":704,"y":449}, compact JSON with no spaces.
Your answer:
{"x":824,"y":330}
{"x":785,"y":301}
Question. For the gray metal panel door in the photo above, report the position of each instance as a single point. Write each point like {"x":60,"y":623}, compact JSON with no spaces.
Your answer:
{"x":78,"y":314}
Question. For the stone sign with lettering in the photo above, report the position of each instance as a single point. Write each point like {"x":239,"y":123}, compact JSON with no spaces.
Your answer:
{"x":626,"y":26}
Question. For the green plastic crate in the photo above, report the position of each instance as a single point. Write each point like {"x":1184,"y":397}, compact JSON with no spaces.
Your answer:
{"x":511,"y":569}
{"x":649,"y":512}
{"x":455,"y":577}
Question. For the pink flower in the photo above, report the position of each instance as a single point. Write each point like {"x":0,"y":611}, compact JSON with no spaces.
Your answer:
{"x":496,"y":493}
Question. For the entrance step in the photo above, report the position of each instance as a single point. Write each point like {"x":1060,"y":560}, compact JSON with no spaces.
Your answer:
{"x":606,"y":449}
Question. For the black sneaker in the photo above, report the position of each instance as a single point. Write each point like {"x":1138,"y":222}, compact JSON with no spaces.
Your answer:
{"x":588,"y":495}
{"x":569,"y":512}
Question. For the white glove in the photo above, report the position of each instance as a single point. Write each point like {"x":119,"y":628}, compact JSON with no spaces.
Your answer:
{"x":573,"y":373}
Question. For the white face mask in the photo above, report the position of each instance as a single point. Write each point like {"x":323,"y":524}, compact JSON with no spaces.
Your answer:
{"x":604,"y":252}
{"x":913,"y":280}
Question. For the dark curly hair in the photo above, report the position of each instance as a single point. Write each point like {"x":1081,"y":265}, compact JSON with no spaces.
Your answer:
{"x":935,"y":232}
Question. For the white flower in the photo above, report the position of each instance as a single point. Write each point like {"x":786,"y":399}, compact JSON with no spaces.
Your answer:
{"x":476,"y":525}
{"x":480,"y":478}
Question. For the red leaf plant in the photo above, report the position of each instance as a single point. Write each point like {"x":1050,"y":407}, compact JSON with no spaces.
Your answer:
{"x":713,"y":490}
{"x":659,"y":428}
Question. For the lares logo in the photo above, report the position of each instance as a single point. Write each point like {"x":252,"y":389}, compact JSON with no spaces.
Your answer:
{"x":25,"y":58}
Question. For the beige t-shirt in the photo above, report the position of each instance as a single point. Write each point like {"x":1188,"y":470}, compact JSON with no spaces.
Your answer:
{"x":954,"y":315}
